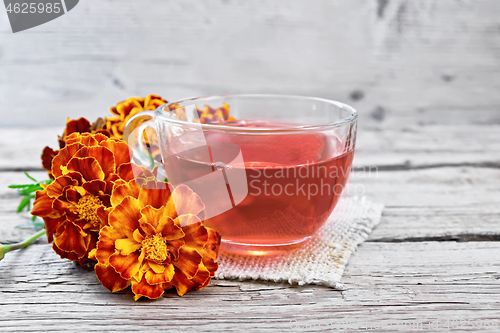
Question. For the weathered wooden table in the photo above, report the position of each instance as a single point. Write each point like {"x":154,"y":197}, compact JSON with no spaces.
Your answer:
{"x":432,"y":263}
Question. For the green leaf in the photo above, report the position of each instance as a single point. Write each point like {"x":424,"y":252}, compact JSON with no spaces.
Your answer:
{"x":30,"y":190}
{"x":19,"y":186}
{"x":25,"y":202}
{"x":27,"y":192}
{"x":33,"y":179}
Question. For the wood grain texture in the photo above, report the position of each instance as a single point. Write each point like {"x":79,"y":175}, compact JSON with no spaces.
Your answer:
{"x":386,"y":282}
{"x":391,"y":59}
{"x":400,"y":148}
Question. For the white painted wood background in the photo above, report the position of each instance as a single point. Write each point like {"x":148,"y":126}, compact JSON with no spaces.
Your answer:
{"x":394,"y":60}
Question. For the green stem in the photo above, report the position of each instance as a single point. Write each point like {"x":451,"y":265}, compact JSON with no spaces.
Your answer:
{"x":21,"y":245}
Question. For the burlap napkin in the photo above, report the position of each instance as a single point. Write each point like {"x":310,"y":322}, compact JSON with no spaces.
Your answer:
{"x":320,"y":260}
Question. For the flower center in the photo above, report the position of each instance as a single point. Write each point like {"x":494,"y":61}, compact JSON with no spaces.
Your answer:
{"x":155,"y":248}
{"x":87,"y":208}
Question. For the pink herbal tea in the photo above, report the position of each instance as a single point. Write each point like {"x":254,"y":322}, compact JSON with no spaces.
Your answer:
{"x":294,"y":181}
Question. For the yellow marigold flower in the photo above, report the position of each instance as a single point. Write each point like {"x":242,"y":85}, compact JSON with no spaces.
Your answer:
{"x":212,"y":116}
{"x":73,"y":207}
{"x":125,"y":110}
{"x":156,"y":240}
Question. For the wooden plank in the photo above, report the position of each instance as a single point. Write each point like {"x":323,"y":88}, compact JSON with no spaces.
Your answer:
{"x":463,"y":187}
{"x":386,"y":282}
{"x":428,"y":146}
{"x":436,"y":223}
{"x":404,"y":148}
{"x":396,"y":57}
{"x":21,"y":148}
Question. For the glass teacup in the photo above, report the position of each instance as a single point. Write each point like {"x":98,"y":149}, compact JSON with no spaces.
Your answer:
{"x":269,"y":168}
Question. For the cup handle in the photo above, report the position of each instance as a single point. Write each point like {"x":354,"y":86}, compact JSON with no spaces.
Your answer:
{"x":133,"y":134}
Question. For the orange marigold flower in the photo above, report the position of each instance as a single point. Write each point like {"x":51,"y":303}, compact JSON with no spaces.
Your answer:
{"x":80,"y":125}
{"x":156,"y":240}
{"x":125,"y":110}
{"x":73,"y":207}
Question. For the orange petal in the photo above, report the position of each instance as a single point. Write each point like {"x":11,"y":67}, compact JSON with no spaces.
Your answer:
{"x":157,"y":268}
{"x":156,"y":196}
{"x":104,"y":157}
{"x":138,"y":237}
{"x":64,"y":254}
{"x":211,"y":250}
{"x":188,"y":262}
{"x":91,"y":254}
{"x":127,"y":265}
{"x":47,"y":155}
{"x":143,"y":288}
{"x":56,"y":188}
{"x":63,"y":157}
{"x":88,"y":166}
{"x":103,"y":214}
{"x":211,"y":265}
{"x":115,"y":131}
{"x":202,"y":277}
{"x":70,"y":237}
{"x":94,"y":186}
{"x":75,"y":175}
{"x":126,"y":246}
{"x":73,"y":194}
{"x":129,"y":171}
{"x":51,"y":225}
{"x":85,"y":139}
{"x":122,"y":191}
{"x":169,"y":229}
{"x":181,"y":283}
{"x":126,"y":215}
{"x":63,"y":206}
{"x":110,"y":278}
{"x":151,"y":102}
{"x":121,"y":151}
{"x":173,"y":247}
{"x":106,"y":243}
{"x":153,"y":277}
{"x":149,"y":219}
{"x":124,"y":108}
{"x":94,"y":237}
{"x":126,"y":118}
{"x":147,"y":229}
{"x":43,"y":206}
{"x":144,"y":268}
{"x":80,"y":125}
{"x":196,"y":235}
